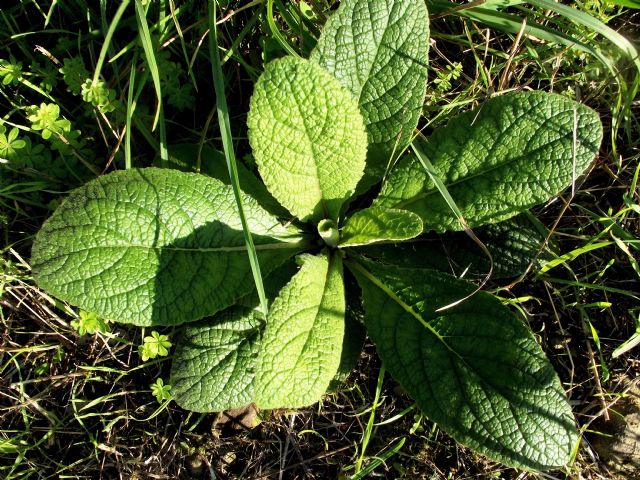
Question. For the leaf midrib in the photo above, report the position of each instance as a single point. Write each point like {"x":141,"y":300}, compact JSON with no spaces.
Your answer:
{"x":369,"y":276}
{"x":378,"y":46}
{"x":314,"y":155}
{"x":239,"y":248}
{"x":330,"y":262}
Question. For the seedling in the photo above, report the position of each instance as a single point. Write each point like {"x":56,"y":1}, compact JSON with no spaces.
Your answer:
{"x":89,"y":323}
{"x":9,"y":142}
{"x":161,"y":391}
{"x":10,"y":71}
{"x":155,"y":345}
{"x":163,"y":247}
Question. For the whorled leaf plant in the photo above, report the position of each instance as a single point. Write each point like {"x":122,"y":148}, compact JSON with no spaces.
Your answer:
{"x":162,"y":247}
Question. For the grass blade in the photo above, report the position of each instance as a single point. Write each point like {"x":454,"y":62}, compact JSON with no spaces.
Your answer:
{"x":366,"y":436}
{"x":510,"y":23}
{"x":442,"y":189}
{"x":107,"y":40}
{"x":183,"y":46}
{"x":625,"y":46}
{"x":149,"y":51}
{"x":633,"y":342}
{"x":626,"y":3}
{"x":377,"y":461}
{"x":131,"y":106}
{"x":572,"y":255}
{"x":276,"y":33}
{"x":227,"y":143}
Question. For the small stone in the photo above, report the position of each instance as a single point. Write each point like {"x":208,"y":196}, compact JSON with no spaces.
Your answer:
{"x":228,"y":458}
{"x":195,"y":466}
{"x":237,"y":419}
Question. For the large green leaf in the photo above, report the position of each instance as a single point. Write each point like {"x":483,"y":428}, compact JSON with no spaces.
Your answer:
{"x":307,"y":136}
{"x":513,"y":152}
{"x":473,"y":368}
{"x":235,"y":358}
{"x":302,"y":342}
{"x":379,"y":224}
{"x":155,"y":247}
{"x":215,"y":361}
{"x":378,"y":49}
{"x":513,"y":244}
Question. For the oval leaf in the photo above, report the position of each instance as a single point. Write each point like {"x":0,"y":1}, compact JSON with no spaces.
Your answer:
{"x":307,"y":136}
{"x":473,"y":368}
{"x":302,"y":342}
{"x":379,"y":51}
{"x":155,"y":247}
{"x":513,"y":152}
{"x":379,"y":224}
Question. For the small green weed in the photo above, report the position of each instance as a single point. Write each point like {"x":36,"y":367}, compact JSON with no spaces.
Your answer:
{"x":153,"y":346}
{"x":10,"y":71}
{"x":10,"y":143}
{"x":89,"y":323}
{"x":161,"y":391}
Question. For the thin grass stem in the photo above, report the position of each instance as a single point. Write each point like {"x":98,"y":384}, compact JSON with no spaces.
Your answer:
{"x":107,"y":40}
{"x":149,"y":51}
{"x":227,"y":143}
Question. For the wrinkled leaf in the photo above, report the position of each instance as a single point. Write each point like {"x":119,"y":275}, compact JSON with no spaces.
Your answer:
{"x":155,"y":247}
{"x":302,"y":341}
{"x":307,"y":136}
{"x":379,"y":224}
{"x":512,"y":152}
{"x":474,"y":368}
{"x":379,"y":51}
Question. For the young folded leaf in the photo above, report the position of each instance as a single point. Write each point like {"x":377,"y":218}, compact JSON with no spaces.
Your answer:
{"x":379,"y":224}
{"x":308,"y":138}
{"x":378,"y":50}
{"x":474,"y":368}
{"x":511,"y":153}
{"x":155,"y":247}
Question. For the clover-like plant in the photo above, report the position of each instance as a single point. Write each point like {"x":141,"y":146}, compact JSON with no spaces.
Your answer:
{"x":162,"y":247}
